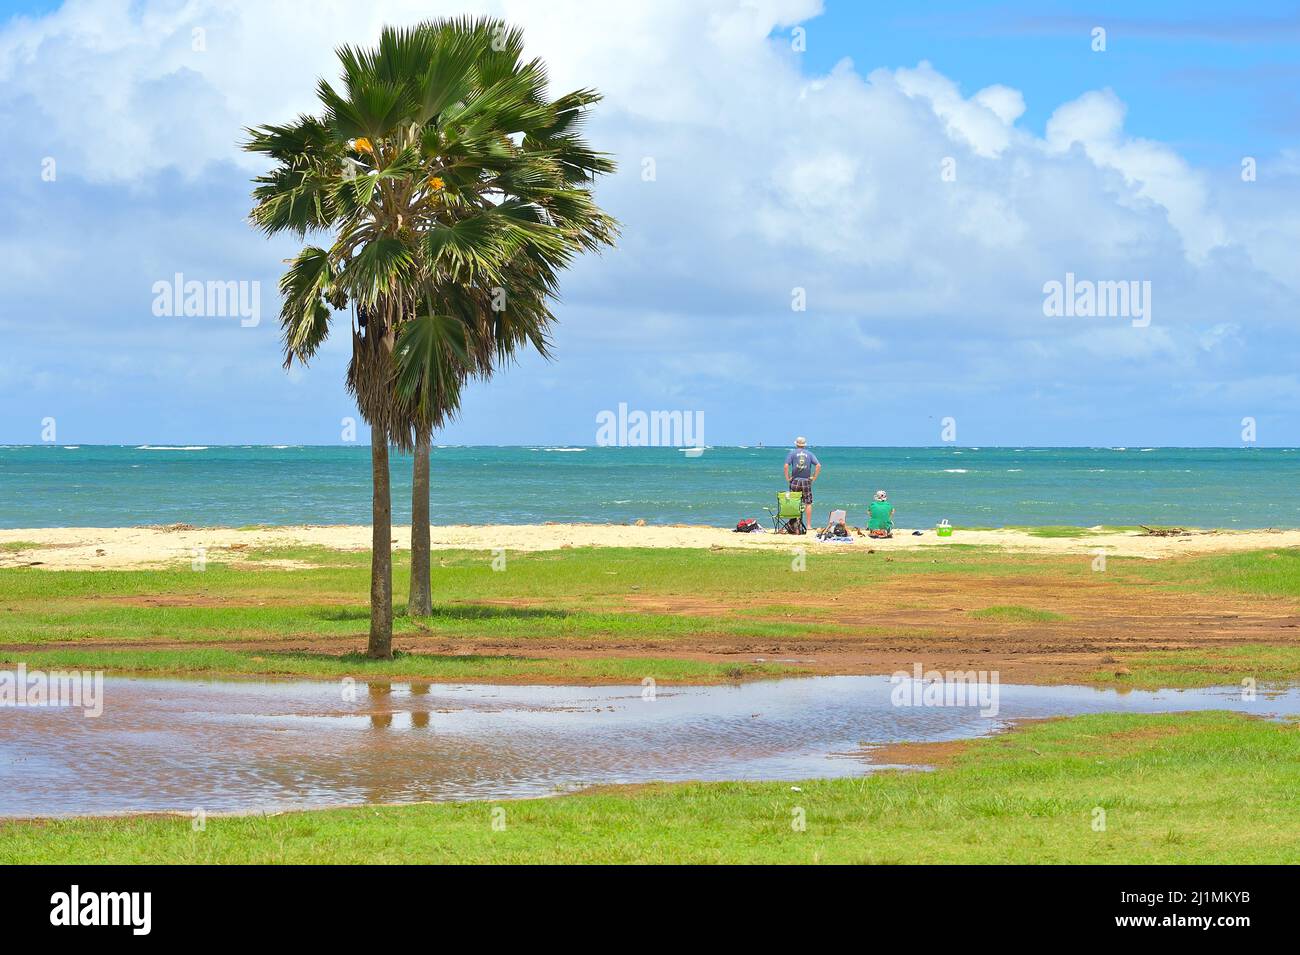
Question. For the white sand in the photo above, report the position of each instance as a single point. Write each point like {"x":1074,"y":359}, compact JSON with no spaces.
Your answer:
{"x":89,"y":548}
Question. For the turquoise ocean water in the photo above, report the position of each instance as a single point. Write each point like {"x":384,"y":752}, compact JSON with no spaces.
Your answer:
{"x":110,"y":486}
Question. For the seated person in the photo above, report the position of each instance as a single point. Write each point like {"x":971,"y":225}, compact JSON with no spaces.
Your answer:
{"x":880,"y":517}
{"x":836,"y":527}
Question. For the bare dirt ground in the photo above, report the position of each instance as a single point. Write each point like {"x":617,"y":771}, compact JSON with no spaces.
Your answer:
{"x":928,"y":618}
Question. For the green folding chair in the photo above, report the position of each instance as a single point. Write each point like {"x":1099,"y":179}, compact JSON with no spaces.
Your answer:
{"x":788,"y":516}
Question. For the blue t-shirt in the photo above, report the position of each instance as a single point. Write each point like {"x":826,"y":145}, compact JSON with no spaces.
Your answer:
{"x":801,"y":462}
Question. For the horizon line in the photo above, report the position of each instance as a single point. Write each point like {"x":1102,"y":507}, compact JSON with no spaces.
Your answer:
{"x":539,"y":445}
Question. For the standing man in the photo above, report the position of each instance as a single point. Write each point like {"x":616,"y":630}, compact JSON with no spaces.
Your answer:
{"x":801,"y":470}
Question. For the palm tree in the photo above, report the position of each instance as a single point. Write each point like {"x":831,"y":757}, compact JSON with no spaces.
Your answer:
{"x":437,"y":363}
{"x":453,"y":192}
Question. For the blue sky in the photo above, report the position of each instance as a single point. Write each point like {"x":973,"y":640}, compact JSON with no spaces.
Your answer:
{"x":1194,"y":74}
{"x":919,"y":171}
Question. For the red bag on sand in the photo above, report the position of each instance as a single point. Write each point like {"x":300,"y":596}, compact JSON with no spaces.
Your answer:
{"x":746,"y":526}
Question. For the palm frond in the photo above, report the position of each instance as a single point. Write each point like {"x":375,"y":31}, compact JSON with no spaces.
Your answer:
{"x":432,"y":361}
{"x":381,"y":270}
{"x":304,"y":315}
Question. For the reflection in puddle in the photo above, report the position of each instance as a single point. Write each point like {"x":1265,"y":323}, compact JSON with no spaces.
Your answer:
{"x":247,"y":746}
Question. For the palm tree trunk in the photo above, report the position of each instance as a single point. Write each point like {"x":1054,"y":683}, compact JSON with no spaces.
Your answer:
{"x":420,"y":601}
{"x":381,"y":550}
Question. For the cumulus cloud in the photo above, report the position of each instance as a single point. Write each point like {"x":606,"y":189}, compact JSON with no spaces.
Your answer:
{"x":1095,"y":121}
{"x":983,"y":121}
{"x":919,"y":218}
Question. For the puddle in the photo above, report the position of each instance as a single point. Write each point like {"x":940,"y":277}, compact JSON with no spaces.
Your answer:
{"x":229,"y":746}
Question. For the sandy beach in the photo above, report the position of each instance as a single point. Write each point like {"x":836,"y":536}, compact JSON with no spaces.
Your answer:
{"x":115,"y":548}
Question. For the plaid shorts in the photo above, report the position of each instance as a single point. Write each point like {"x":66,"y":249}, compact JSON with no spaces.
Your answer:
{"x":804,"y":485}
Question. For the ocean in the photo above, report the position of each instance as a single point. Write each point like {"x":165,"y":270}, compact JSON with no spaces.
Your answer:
{"x":111,"y":486}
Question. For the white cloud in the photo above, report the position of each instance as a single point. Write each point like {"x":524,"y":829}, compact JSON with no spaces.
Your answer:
{"x":982,"y":122}
{"x":1095,"y":121}
{"x":1005,"y":103}
{"x":767,"y":179}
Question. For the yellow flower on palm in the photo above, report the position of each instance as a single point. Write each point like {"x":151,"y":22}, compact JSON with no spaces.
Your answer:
{"x":436,"y":183}
{"x":362,"y":145}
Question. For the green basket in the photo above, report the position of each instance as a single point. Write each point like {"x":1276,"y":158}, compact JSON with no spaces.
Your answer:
{"x":943,"y":530}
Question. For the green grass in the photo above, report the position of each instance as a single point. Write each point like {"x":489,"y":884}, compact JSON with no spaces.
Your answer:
{"x":1063,"y":530}
{"x":1267,"y":573}
{"x":584,"y":596}
{"x":1060,"y":531}
{"x":15,"y":546}
{"x":1016,"y":613}
{"x":468,"y":575}
{"x":312,"y":554}
{"x":204,"y":624}
{"x":1185,"y":788}
{"x":1268,"y":666}
{"x":436,"y":668}
{"x":580,"y":594}
{"x":1167,"y":783}
{"x":1056,"y":530}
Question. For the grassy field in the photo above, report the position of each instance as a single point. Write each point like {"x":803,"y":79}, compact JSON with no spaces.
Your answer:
{"x":1207,"y":787}
{"x":1167,"y":784}
{"x":577,"y":594}
{"x":506,"y":668}
{"x":1266,"y":664}
{"x":255,"y":616}
{"x":1271,"y":573}
{"x":568,"y":593}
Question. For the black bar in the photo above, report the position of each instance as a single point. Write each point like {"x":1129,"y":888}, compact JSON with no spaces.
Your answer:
{"x":959,"y":903}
